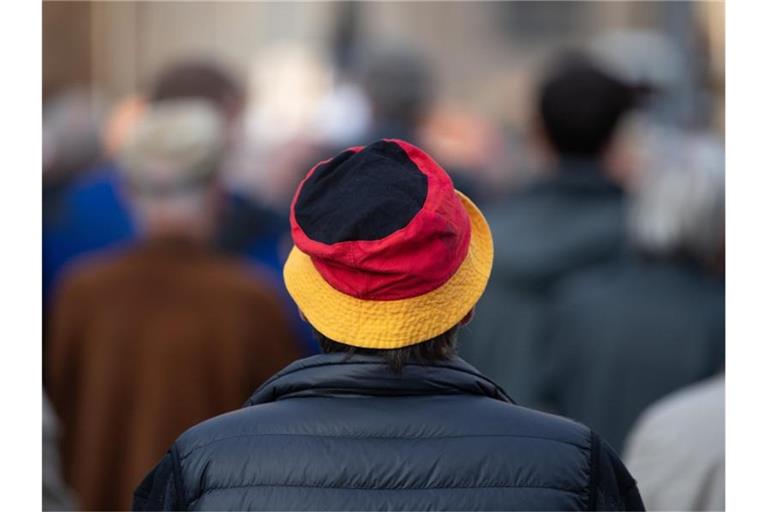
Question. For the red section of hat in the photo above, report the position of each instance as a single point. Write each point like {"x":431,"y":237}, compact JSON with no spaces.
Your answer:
{"x":409,"y":262}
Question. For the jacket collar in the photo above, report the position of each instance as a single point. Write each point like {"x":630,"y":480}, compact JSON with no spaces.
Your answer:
{"x":329,"y":375}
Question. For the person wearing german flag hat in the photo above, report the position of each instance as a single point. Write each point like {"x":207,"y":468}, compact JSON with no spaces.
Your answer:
{"x":388,"y":263}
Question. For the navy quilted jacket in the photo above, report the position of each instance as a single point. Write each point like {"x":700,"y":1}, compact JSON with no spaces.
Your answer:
{"x":336,"y":433}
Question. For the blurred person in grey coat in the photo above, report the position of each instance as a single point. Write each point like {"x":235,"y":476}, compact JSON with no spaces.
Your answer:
{"x":569,"y":220}
{"x":624,"y":334}
{"x":677,"y":449}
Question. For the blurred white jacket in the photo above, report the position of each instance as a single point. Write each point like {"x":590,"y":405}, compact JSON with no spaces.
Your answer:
{"x":676,"y":451}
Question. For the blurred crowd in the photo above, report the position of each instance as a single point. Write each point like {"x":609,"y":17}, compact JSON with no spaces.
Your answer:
{"x":165,"y":228}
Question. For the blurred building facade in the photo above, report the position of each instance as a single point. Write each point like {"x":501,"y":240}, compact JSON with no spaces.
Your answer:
{"x":483,"y":52}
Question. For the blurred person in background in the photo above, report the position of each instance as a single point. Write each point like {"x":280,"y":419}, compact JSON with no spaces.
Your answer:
{"x":71,"y":146}
{"x":388,"y":93}
{"x":245,"y":226}
{"x":95,"y":213}
{"x":388,"y":264}
{"x":569,"y":220}
{"x":677,"y":449}
{"x":71,"y":137}
{"x":150,"y":339}
{"x":624,"y":334}
{"x":395,"y":87}
{"x":401,"y":86}
{"x":92,"y":214}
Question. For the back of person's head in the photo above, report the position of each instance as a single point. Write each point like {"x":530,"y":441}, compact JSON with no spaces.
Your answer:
{"x":439,"y":348}
{"x":389,"y":259}
{"x":399,"y":84}
{"x":678,"y":206}
{"x":580,"y":107}
{"x":170,"y":161}
{"x":199,"y":79}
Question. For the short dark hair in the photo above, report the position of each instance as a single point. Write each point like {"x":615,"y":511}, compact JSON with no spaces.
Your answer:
{"x":439,"y":348}
{"x":199,"y":79}
{"x":400,"y":84}
{"x":580,"y":106}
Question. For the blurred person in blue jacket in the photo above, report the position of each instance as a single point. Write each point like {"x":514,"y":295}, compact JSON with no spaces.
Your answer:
{"x":570,"y":219}
{"x":71,"y":146}
{"x":624,"y":334}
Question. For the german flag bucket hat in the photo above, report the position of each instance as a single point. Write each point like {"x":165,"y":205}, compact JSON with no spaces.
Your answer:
{"x":386,"y":253}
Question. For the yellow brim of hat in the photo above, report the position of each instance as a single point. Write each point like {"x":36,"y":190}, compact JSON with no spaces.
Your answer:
{"x":388,"y":324}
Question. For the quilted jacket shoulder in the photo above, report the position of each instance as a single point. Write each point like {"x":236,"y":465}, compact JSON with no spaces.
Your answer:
{"x":330,"y":433}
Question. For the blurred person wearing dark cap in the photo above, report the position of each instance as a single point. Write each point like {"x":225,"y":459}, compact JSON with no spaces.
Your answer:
{"x":388,"y":263}
{"x":567,"y":221}
{"x":147,"y":340}
{"x":624,"y":334}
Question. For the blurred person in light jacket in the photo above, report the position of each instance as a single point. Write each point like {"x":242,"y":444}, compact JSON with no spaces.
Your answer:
{"x":624,"y":334}
{"x":569,"y":220}
{"x":150,"y":339}
{"x":677,"y":449}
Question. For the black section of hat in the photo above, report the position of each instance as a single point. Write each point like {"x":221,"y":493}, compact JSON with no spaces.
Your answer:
{"x":361,"y":196}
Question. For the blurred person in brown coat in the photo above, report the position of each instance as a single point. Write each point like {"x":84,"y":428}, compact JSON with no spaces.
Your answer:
{"x":149,"y":340}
